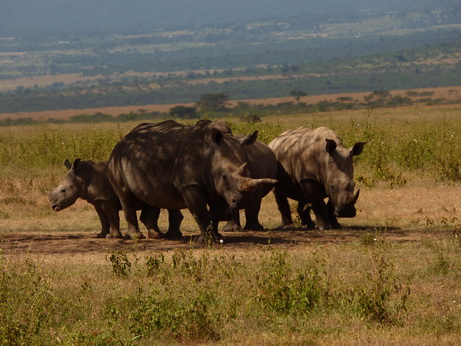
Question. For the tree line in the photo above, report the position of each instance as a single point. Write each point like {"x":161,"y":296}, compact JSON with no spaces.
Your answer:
{"x":216,"y":105}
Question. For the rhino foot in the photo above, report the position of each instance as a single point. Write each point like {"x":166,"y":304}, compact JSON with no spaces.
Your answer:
{"x":177,"y":235}
{"x":114,"y":235}
{"x":232,"y":226}
{"x":255,"y":227}
{"x":102,"y":235}
{"x":231,"y":229}
{"x":155,"y":235}
{"x":323,"y":227}
{"x":209,"y":239}
{"x":134,"y":236}
{"x":285,"y":227}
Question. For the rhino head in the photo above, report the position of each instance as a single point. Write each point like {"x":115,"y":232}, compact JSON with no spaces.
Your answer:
{"x":69,"y":190}
{"x":229,"y":166}
{"x":339,"y":178}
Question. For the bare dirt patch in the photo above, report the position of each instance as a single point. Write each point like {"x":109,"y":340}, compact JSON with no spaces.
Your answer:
{"x":414,"y":213}
{"x":85,"y":243}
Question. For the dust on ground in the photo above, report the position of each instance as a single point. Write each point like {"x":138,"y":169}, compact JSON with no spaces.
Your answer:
{"x":83,"y":243}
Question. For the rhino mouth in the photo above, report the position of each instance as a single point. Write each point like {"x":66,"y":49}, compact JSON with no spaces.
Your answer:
{"x":242,"y":203}
{"x":346,"y":212}
{"x":56,"y":207}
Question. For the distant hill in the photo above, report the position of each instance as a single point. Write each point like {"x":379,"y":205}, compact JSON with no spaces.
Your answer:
{"x":81,"y":54}
{"x":70,"y":17}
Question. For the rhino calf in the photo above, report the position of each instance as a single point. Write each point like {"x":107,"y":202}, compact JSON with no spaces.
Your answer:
{"x":88,"y":180}
{"x":314,"y":165}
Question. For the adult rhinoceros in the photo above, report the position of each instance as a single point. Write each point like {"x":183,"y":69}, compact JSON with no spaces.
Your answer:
{"x":88,"y":180}
{"x":314,"y":165}
{"x":174,"y":166}
{"x":262,"y":164}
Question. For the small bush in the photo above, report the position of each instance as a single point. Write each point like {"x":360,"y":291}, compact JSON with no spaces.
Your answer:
{"x":121,"y":265}
{"x":382,"y":298}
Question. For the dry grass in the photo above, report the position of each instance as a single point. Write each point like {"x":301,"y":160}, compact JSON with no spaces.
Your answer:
{"x":402,"y":237}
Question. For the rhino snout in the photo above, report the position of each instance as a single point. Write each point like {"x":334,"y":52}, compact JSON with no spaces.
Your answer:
{"x":242,"y":202}
{"x":346,"y":212}
{"x":348,"y":209}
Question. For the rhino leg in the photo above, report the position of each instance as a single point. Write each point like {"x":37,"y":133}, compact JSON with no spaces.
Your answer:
{"x":284,"y":208}
{"x":111,"y":214}
{"x":149,"y":217}
{"x":305,"y":215}
{"x":129,"y":210}
{"x":331,"y":216}
{"x":313,"y":194}
{"x":175,"y":218}
{"x":196,"y":202}
{"x":251,"y":215}
{"x":105,"y":225}
{"x":233,"y":225}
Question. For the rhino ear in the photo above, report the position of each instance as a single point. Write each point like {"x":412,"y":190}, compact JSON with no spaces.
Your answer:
{"x":250,"y":139}
{"x":76,"y":164}
{"x":67,"y":164}
{"x":330,"y":146}
{"x":357,"y":148}
{"x":216,"y":136}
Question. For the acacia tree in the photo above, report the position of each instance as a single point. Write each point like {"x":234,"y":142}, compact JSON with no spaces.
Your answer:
{"x":183,"y":112}
{"x":213,"y":102}
{"x":297,"y":94}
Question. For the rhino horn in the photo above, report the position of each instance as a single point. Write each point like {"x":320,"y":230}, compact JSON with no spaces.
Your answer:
{"x":243,"y":170}
{"x":250,"y":185}
{"x":356,"y":197}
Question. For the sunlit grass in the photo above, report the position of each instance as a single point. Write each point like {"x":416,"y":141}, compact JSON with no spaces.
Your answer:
{"x":391,"y":276}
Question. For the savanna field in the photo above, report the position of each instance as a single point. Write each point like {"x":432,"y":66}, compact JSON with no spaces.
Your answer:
{"x":391,"y":275}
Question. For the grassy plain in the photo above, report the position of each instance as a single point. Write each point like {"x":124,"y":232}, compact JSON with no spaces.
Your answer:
{"x":392,"y":275}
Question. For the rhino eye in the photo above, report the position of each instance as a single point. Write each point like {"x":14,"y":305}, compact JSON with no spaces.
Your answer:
{"x":63,"y":190}
{"x":226,"y":181}
{"x":332,"y":188}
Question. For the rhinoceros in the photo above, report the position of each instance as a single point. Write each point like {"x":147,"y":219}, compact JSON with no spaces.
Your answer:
{"x":174,"y":166}
{"x":314,"y":165}
{"x":262,"y":164}
{"x":88,"y":180}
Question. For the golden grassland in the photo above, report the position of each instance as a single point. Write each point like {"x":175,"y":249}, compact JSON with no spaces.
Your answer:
{"x":392,"y":275}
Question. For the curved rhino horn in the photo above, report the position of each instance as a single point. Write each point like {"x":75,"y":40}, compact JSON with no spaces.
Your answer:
{"x":242,"y":169}
{"x":250,"y":185}
{"x":356,"y":196}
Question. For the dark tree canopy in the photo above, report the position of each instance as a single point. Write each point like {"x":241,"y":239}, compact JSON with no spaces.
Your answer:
{"x":213,"y":102}
{"x":183,"y":112}
{"x":297,"y":94}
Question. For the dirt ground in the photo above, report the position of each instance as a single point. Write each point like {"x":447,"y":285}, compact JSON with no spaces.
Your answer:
{"x":86,"y":243}
{"x":417,"y":212}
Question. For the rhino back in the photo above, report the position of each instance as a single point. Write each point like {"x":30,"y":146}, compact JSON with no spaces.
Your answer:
{"x":302,"y":153}
{"x":99,"y":187}
{"x":143,"y":162}
{"x":262,"y":161}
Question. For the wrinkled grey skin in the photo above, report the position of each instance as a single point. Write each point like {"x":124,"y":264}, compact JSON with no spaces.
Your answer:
{"x":262,"y":163}
{"x":173,"y":166}
{"x":88,"y":180}
{"x":314,"y":165}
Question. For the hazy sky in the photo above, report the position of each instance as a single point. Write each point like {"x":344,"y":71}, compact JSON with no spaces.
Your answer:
{"x":19,"y":17}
